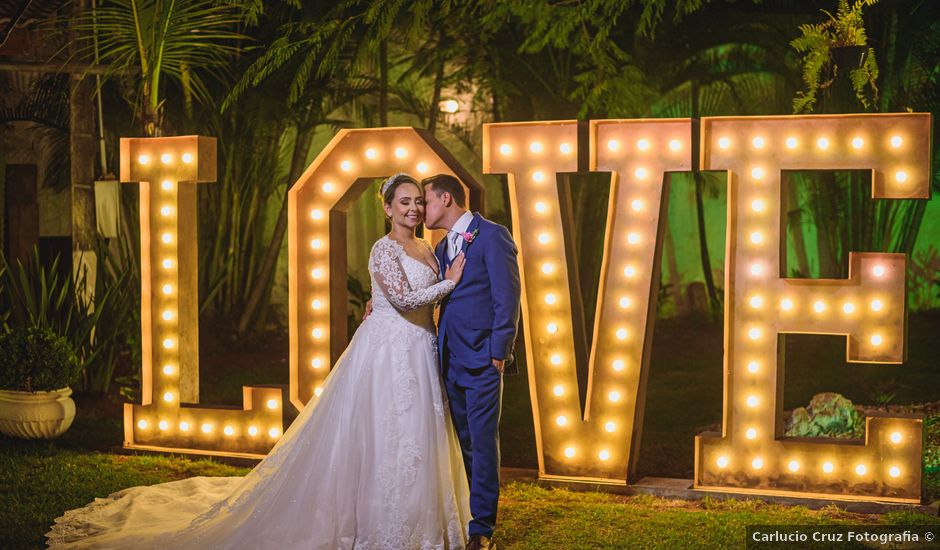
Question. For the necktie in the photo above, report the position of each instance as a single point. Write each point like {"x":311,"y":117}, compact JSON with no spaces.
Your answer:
{"x":452,"y":238}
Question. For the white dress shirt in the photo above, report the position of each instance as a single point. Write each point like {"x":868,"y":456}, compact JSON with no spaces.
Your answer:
{"x":454,"y":238}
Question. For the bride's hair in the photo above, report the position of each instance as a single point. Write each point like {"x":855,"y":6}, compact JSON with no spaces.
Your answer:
{"x":387,"y":191}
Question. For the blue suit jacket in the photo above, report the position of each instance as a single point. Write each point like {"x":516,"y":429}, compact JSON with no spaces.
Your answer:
{"x":479,"y":319}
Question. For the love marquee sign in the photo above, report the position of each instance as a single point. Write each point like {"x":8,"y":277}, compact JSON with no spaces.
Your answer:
{"x":597,"y":445}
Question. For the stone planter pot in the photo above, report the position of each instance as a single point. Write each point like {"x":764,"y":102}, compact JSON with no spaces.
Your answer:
{"x":35,"y":415}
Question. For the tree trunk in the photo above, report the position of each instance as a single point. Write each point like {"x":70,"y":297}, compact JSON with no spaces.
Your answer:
{"x":383,"y":84}
{"x":262,"y":285}
{"x":700,"y":215}
{"x":438,"y":85}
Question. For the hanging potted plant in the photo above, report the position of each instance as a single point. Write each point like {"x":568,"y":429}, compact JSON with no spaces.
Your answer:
{"x":36,"y":368}
{"x":837,"y":46}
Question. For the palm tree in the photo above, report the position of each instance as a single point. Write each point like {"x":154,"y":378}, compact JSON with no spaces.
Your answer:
{"x":150,"y":43}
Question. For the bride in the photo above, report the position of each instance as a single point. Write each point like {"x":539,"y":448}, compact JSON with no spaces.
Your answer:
{"x":375,"y":464}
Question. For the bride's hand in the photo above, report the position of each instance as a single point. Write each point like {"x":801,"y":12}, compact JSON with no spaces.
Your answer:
{"x":455,"y":271}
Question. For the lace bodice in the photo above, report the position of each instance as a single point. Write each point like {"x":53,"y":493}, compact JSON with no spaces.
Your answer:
{"x":402,"y":286}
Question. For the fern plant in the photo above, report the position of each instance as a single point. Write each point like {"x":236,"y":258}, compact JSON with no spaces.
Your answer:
{"x":816,"y":44}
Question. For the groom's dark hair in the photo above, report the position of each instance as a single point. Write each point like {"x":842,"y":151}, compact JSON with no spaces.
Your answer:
{"x":445,"y":183}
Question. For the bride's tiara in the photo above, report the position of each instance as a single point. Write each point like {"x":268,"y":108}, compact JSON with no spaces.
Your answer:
{"x":390,"y":181}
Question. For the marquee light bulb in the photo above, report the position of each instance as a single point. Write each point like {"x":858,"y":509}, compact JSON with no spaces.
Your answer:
{"x":328,"y":187}
{"x":848,"y":307}
{"x":896,"y":437}
{"x":756,"y":269}
{"x":316,"y":363}
{"x":142,"y":424}
{"x":168,"y":343}
{"x":317,"y":273}
{"x":187,"y":158}
{"x":629,"y":271}
{"x":165,"y":211}
{"x":316,"y":304}
{"x":896,"y":141}
{"x":636,"y":205}
{"x":167,"y":315}
{"x":861,"y":469}
{"x":624,"y":302}
{"x":614,"y":396}
{"x":206,"y":428}
{"x":894,"y":471}
{"x":569,"y":452}
{"x":163,"y":425}
{"x":793,"y":466}
{"x":371,"y":153}
{"x":317,"y":333}
{"x":345,"y":166}
{"x":610,"y":426}
{"x":900,"y":176}
{"x":613,"y":145}
{"x":751,"y":433}
{"x":791,"y":143}
{"x":565,"y":148}
{"x":753,"y":333}
{"x":167,"y":263}
{"x":168,"y":397}
{"x":604,"y":455}
{"x":561,"y":421}
{"x":548,"y":268}
{"x":640,"y":173}
{"x":167,"y":289}
{"x":756,"y":302}
{"x":757,"y":173}
{"x":876,"y":305}
{"x":167,"y":369}
{"x":786,"y":304}
{"x":400,"y":152}
{"x":318,"y":391}
{"x":535,"y":147}
{"x":274,"y":432}
{"x":643,"y":144}
{"x":166,"y":158}
{"x":828,"y":467}
{"x":538,"y":176}
{"x":822,"y":143}
{"x":316,"y":214}
{"x":544,"y":238}
{"x":876,"y":339}
{"x":675,"y":145}
{"x":858,"y":143}
{"x":550,"y":299}
{"x":558,"y":390}
{"x":143,"y":159}
{"x":878,"y":271}
{"x":167,"y":185}
{"x":819,"y":306}
{"x":252,"y":430}
{"x":272,"y":403}
{"x":633,"y":238}
{"x":757,"y":463}
{"x":228,"y":430}
{"x":752,"y":401}
{"x":753,"y":367}
{"x":724,"y":143}
{"x":316,"y":244}
{"x":619,"y":365}
{"x":166,"y":238}
{"x":758,"y":142}
{"x":541,"y":207}
{"x":421,"y":167}
{"x":552,"y":328}
{"x":621,"y":334}
{"x":758,"y":205}
{"x":555,"y":359}
{"x":184,"y":426}
{"x":757,"y":237}
{"x":722,"y":461}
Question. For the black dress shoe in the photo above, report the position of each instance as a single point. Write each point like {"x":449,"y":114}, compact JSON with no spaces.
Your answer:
{"x":481,"y":542}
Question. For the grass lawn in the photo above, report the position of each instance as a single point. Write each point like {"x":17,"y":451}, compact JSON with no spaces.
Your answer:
{"x":39,"y":480}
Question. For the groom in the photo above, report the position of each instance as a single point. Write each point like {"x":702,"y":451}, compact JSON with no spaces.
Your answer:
{"x":476,"y":332}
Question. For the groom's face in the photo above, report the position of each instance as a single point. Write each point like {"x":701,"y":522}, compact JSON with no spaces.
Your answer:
{"x":433,"y":208}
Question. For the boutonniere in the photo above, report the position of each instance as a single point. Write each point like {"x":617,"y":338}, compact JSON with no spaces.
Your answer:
{"x":468,"y":236}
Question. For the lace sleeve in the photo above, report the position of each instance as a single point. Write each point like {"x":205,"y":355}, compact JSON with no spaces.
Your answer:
{"x":389,"y":274}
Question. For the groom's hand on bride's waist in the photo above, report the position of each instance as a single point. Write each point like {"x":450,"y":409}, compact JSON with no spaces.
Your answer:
{"x":368,"y":310}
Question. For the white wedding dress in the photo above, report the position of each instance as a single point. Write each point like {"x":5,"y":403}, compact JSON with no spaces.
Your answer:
{"x":375,"y":464}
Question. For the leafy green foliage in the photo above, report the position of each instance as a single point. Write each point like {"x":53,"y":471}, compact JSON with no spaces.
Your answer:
{"x":36,"y":359}
{"x":844,"y":29}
